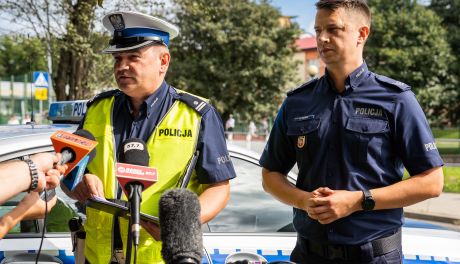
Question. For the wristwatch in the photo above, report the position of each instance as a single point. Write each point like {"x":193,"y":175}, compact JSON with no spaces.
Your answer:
{"x":33,"y":174}
{"x":368,"y":202}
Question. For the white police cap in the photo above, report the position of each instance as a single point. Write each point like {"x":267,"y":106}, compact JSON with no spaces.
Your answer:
{"x":133,"y":30}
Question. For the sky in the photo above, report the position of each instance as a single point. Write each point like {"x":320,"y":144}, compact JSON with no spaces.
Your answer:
{"x":304,"y":10}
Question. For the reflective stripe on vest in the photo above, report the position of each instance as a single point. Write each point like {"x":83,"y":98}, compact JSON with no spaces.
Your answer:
{"x":171,"y":147}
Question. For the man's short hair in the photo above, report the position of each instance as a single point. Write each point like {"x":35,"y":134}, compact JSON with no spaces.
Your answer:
{"x":355,"y":5}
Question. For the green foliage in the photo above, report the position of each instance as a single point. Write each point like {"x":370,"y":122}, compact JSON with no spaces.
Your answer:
{"x":20,"y":55}
{"x":449,"y":11}
{"x":409,"y":43}
{"x":233,"y":52}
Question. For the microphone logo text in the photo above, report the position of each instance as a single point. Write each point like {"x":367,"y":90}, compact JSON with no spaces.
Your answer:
{"x":133,"y":145}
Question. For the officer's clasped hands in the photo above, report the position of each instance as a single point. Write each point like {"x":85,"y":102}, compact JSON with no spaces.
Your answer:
{"x":326,"y":205}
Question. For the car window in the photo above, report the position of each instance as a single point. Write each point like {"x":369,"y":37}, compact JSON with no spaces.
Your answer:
{"x":250,"y":208}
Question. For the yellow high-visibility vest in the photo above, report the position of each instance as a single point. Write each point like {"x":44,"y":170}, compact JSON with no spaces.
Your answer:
{"x":171,"y":147}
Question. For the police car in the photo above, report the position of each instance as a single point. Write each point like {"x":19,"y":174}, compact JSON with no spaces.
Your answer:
{"x":254,"y":226}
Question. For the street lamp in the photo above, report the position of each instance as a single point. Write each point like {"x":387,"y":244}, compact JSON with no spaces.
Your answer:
{"x":312,"y":71}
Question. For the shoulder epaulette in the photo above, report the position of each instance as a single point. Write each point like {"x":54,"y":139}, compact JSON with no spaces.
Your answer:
{"x":306,"y":85}
{"x":392,"y":83}
{"x":102,"y":95}
{"x":197,"y":103}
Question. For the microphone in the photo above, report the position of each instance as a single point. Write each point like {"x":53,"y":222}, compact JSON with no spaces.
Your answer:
{"x":86,"y":150}
{"x":134,"y":176}
{"x":180,"y":227}
{"x":75,"y":175}
{"x":73,"y":147}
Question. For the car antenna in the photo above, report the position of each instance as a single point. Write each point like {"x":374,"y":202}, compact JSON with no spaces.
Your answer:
{"x":32,"y":118}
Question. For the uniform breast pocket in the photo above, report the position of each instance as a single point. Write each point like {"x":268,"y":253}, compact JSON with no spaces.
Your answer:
{"x":366,"y":137}
{"x":305,"y":136}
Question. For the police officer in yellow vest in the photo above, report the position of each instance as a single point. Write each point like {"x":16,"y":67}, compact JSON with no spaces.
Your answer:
{"x":174,"y":124}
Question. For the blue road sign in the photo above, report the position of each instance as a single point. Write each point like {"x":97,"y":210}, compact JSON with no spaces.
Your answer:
{"x":41,"y":79}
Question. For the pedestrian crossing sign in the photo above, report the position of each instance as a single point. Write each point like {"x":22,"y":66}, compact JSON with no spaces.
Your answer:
{"x":41,"y":79}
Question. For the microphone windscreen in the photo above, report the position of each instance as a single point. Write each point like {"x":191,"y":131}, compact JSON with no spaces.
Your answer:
{"x":180,"y":226}
{"x":86,"y":134}
{"x":134,"y":151}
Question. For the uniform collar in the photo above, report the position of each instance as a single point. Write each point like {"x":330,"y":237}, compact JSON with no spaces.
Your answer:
{"x":150,"y":102}
{"x":356,"y":77}
{"x":353,"y":80}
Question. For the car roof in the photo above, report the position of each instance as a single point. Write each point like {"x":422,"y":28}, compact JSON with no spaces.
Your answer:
{"x":20,"y":140}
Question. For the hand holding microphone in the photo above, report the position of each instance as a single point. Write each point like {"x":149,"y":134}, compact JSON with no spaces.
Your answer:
{"x":74,"y":147}
{"x":48,"y":170}
{"x":77,"y":150}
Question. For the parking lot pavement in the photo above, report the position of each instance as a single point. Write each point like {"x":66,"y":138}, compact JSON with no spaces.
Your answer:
{"x":445,"y":208}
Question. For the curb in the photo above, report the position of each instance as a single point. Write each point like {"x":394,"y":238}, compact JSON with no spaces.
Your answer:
{"x":436,"y":218}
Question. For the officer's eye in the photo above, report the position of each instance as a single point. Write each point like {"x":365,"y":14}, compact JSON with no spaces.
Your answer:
{"x":334,"y":30}
{"x":134,"y":57}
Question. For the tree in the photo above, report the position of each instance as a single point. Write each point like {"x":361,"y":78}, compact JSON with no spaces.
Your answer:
{"x":449,"y":11}
{"x":409,"y":43}
{"x":76,"y":55}
{"x":69,"y":23}
{"x":234,"y":52}
{"x":71,"y":40}
{"x":20,"y":55}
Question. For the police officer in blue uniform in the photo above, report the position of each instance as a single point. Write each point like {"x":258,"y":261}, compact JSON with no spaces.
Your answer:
{"x":141,"y":59}
{"x":350,"y":132}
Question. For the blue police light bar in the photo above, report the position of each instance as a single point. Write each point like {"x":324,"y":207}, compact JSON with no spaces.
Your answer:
{"x":67,"y":111}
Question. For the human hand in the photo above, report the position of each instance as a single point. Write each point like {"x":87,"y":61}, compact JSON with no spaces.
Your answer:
{"x":306,"y":202}
{"x":322,"y":192}
{"x":337,"y":204}
{"x":34,"y":206}
{"x":152,"y":228}
{"x":48,"y":177}
{"x":89,"y":187}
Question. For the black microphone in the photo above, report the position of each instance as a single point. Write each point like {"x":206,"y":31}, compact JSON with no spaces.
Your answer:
{"x":135,"y":153}
{"x":180,"y":227}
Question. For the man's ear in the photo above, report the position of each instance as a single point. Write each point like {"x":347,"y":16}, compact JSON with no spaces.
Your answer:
{"x":363,"y":34}
{"x":165,"y":58}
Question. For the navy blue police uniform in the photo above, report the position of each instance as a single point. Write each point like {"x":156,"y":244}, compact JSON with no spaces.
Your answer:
{"x":359,"y":139}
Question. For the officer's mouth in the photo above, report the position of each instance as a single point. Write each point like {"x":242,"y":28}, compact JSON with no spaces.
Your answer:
{"x":326,"y":50}
{"x":123,"y":78}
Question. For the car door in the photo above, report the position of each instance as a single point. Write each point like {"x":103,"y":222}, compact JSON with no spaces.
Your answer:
{"x":253,"y":221}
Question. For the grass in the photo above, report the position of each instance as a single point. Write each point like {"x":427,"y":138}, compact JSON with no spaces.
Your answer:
{"x":446,"y":133}
{"x":445,"y":147}
{"x":451,"y":179}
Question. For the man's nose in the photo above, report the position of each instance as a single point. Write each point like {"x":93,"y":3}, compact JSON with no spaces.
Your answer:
{"x":122,"y":65}
{"x":323,"y":36}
